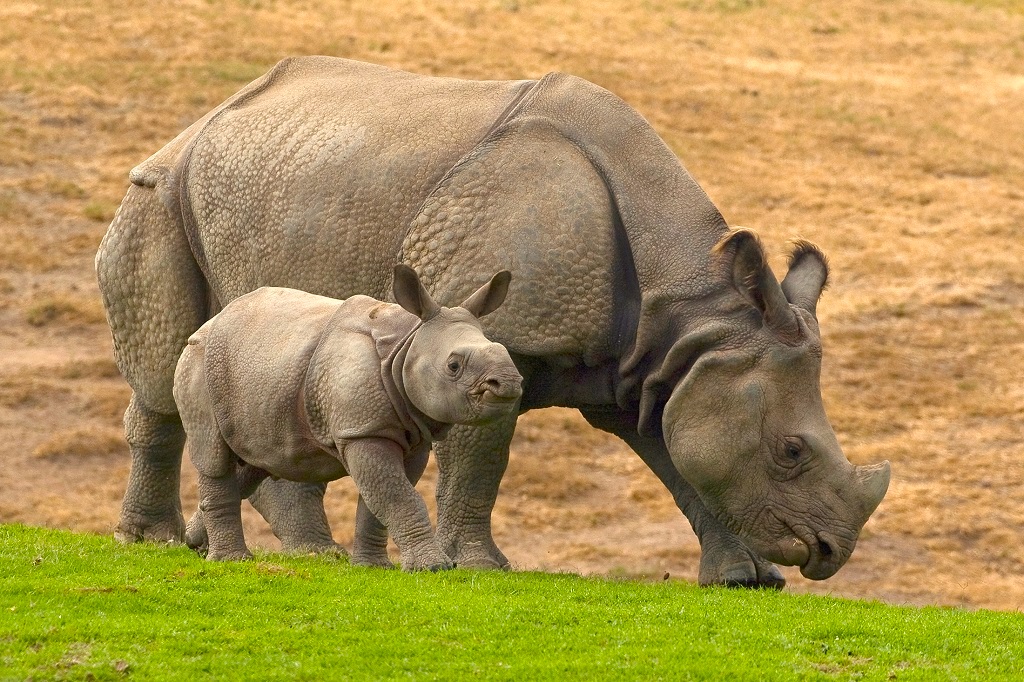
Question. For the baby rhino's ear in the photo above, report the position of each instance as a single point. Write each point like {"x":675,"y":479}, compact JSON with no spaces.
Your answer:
{"x":411,"y":295}
{"x":490,"y":296}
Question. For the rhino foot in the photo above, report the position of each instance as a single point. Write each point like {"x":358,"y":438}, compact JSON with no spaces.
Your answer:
{"x":477,"y":554}
{"x":435,"y":565}
{"x":239,"y":554}
{"x":169,"y":529}
{"x":196,"y":536}
{"x":426,"y":557}
{"x":733,"y":565}
{"x":321,"y":547}
{"x":371,"y":562}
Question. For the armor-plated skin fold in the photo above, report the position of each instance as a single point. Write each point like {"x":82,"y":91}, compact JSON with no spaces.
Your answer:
{"x":629,"y":288}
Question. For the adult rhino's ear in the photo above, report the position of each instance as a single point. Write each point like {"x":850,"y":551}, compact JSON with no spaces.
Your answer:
{"x":487,"y":298}
{"x":807,"y":276}
{"x":755,"y":281}
{"x":411,"y":295}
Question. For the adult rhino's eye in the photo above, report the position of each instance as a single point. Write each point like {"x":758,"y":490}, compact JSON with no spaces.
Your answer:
{"x":794,"y":448}
{"x":454,"y":365}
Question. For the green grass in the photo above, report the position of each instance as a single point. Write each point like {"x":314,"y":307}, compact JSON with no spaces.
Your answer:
{"x":82,"y":607}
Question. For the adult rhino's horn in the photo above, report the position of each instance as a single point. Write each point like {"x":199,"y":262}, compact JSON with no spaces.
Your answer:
{"x":873,"y":483}
{"x":756,"y":282}
{"x":807,"y":276}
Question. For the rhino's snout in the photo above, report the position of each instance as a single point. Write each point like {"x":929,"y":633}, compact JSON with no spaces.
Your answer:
{"x":500,"y":381}
{"x":503,"y":387}
{"x":825,"y":556}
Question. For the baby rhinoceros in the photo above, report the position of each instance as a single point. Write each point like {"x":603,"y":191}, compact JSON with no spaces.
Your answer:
{"x":288,"y":384}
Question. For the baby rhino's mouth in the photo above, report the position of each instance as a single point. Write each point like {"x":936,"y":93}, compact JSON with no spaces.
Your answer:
{"x":498,"y":391}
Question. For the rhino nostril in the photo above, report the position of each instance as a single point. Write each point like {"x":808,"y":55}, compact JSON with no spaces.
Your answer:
{"x":824,"y":548}
{"x":492,"y":384}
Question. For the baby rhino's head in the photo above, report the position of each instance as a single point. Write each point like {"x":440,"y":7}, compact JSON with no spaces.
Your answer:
{"x":452,"y":373}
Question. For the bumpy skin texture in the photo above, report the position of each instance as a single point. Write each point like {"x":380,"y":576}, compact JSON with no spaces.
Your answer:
{"x":324,"y":172}
{"x":310,"y":389}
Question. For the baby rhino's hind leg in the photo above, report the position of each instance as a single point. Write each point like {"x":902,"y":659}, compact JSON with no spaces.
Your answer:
{"x":249,"y":478}
{"x":220,"y":503}
{"x":218,"y":523}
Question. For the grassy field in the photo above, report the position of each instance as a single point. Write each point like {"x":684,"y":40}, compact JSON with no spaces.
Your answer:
{"x":888,"y":133}
{"x":76,"y":606}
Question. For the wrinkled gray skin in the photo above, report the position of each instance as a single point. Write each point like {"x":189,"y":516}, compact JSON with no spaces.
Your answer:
{"x":289,"y":384}
{"x":322,"y":173}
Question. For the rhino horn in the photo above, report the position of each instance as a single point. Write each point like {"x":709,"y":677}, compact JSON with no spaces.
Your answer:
{"x":807,"y":276}
{"x":756,"y":282}
{"x":874,"y":482}
{"x":411,"y":295}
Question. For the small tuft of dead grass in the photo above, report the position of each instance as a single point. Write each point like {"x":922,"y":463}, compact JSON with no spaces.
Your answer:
{"x":91,"y":368}
{"x":66,"y":309}
{"x":100,"y":211}
{"x":25,"y":391}
{"x":83,"y":441}
{"x":20,"y":251}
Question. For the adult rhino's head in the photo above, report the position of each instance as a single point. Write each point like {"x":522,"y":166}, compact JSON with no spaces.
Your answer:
{"x":452,"y":373}
{"x":746,"y":427}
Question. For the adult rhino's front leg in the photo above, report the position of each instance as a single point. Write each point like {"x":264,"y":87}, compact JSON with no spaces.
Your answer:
{"x":725,"y":558}
{"x":471,"y":462}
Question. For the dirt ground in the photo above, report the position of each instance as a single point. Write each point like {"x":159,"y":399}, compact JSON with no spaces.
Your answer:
{"x":890,"y":134}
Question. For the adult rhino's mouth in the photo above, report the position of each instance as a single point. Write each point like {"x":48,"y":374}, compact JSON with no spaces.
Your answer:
{"x":826,"y":557}
{"x":818,"y":555}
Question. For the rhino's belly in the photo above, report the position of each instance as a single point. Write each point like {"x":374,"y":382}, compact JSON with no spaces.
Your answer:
{"x":306,"y":464}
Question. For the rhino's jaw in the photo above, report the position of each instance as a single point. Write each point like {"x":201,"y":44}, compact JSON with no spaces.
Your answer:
{"x":819,"y":554}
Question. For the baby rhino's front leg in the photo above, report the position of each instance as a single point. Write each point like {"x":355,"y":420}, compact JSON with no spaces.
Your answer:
{"x":378,"y":468}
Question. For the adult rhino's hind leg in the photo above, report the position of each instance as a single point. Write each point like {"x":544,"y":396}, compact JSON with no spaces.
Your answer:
{"x":151,"y":509}
{"x":471,"y":462}
{"x":155,"y":297}
{"x":725,"y":559}
{"x":295,"y":512}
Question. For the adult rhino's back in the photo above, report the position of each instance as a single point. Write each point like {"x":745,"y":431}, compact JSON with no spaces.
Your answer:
{"x":310,"y":175}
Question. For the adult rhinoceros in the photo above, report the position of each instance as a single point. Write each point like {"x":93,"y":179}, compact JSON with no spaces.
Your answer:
{"x":632,"y":300}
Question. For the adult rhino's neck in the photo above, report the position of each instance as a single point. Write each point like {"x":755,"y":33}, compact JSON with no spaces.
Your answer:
{"x":670,"y":340}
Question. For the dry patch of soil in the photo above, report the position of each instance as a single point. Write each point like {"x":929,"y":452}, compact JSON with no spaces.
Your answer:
{"x":888,"y":134}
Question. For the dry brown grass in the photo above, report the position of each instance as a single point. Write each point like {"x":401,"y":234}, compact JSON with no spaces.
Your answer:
{"x":887,"y":133}
{"x":84,"y":441}
{"x":64,"y":309}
